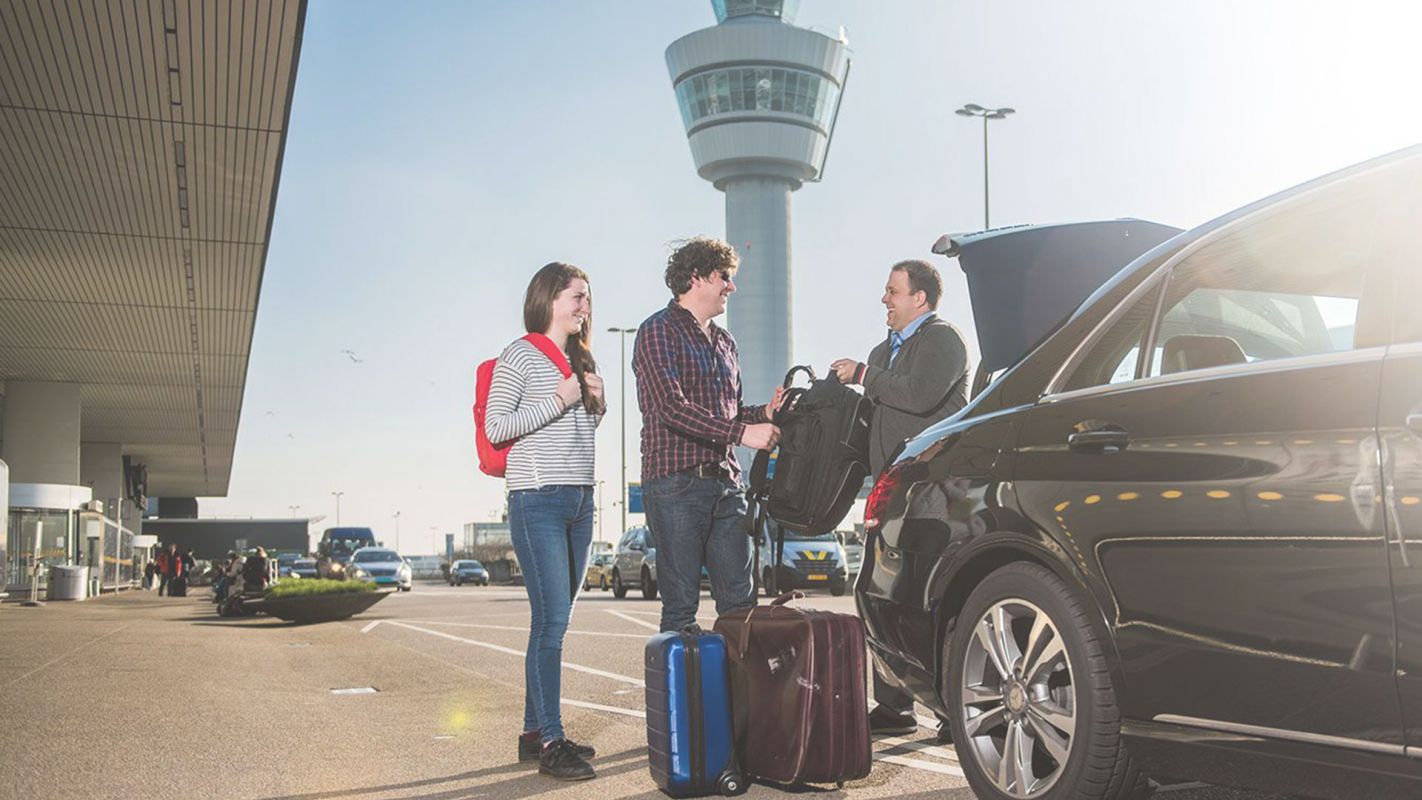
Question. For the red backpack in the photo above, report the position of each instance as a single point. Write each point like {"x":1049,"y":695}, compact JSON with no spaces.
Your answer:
{"x":494,"y":458}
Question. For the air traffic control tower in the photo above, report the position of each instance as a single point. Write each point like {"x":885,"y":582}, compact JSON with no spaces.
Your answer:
{"x":759,"y":98}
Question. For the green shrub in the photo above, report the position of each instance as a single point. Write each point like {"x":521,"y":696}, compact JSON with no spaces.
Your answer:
{"x":309,"y":587}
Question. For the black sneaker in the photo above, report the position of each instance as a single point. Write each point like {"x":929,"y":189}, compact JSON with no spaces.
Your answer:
{"x":560,"y":760}
{"x":885,"y":721}
{"x":530,"y":747}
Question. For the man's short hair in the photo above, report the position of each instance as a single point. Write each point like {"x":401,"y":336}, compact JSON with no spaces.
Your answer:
{"x":700,"y":257}
{"x":922,"y":277}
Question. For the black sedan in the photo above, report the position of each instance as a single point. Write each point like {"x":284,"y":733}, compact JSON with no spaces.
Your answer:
{"x":1177,"y":532}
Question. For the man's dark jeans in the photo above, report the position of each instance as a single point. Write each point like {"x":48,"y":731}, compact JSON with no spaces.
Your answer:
{"x":696,"y":521}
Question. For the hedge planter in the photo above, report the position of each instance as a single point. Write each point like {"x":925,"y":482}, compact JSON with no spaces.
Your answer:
{"x":321,"y":606}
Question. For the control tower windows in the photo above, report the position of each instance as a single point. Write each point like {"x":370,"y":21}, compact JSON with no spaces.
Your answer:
{"x":751,"y":89}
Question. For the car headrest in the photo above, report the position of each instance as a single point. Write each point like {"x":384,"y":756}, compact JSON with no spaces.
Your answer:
{"x":1195,"y":351}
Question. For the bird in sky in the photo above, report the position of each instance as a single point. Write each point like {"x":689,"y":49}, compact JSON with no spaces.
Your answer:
{"x":351,"y":354}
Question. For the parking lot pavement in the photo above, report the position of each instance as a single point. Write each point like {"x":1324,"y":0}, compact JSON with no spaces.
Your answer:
{"x":140,"y":696}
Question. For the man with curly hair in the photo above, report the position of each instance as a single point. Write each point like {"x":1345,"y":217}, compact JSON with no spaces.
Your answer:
{"x":689,"y":388}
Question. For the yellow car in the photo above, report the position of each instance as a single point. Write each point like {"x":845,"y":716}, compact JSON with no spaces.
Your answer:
{"x":599,"y":572}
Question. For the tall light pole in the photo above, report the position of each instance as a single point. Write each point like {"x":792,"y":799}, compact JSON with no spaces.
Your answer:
{"x":293,"y":510}
{"x":397,"y":531}
{"x":975,"y":110}
{"x":622,"y":435}
{"x":337,"y":495}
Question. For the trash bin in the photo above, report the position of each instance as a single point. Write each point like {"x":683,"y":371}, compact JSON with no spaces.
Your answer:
{"x":67,"y":581}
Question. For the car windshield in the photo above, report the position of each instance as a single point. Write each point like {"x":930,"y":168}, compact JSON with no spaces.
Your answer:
{"x":473,"y":565}
{"x":366,"y":556}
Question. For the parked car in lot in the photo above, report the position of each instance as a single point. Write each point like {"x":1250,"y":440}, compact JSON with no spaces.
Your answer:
{"x":599,"y":572}
{"x":634,"y":564}
{"x":1178,"y":533}
{"x":381,"y":566}
{"x":468,"y":571}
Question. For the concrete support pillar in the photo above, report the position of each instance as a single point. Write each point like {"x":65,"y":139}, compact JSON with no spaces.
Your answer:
{"x":42,"y":422}
{"x":101,"y":468}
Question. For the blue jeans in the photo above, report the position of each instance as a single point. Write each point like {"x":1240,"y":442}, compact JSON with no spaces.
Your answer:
{"x":698,"y":521}
{"x":552,"y":533}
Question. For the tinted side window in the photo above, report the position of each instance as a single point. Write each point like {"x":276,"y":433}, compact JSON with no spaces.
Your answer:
{"x":1292,"y":283}
{"x":1113,"y":357}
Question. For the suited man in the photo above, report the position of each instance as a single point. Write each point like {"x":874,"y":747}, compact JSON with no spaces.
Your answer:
{"x":917,"y":376}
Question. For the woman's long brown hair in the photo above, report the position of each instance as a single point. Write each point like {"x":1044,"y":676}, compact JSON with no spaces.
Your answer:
{"x":547,"y":283}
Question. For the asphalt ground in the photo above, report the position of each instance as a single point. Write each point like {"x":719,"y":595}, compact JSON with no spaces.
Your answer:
{"x":137,"y":696}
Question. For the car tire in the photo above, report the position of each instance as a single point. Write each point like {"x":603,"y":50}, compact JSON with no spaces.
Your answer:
{"x":649,"y":586}
{"x":619,"y":589}
{"x":603,"y":579}
{"x":837,"y":591}
{"x":1063,"y":677}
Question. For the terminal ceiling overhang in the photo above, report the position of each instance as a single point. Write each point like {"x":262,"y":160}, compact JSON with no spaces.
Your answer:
{"x":140,"y":151}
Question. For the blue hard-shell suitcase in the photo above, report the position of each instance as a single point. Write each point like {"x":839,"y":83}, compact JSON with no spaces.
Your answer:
{"x":689,"y":741}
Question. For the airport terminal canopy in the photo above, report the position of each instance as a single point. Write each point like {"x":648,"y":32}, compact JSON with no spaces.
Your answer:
{"x":143,"y":146}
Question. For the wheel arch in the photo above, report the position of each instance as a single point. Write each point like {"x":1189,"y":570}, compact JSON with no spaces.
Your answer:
{"x":957,"y":577}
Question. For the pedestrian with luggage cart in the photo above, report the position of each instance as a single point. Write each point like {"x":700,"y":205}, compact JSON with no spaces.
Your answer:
{"x":689,"y":388}
{"x":545,"y":394}
{"x":916,"y":377}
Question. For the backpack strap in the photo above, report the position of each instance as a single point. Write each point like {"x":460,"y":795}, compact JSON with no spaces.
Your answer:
{"x":547,"y":348}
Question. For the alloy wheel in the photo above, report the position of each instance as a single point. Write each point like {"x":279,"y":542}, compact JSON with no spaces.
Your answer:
{"x":1017,"y":699}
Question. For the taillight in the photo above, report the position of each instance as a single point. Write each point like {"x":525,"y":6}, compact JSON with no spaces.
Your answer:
{"x":878,"y":501}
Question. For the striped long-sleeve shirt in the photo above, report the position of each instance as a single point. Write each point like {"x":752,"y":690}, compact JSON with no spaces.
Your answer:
{"x":554,"y":447}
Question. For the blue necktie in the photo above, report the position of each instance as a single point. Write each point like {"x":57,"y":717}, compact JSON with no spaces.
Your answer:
{"x":896,"y":340}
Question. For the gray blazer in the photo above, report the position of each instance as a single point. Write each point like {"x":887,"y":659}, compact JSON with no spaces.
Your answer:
{"x":928,"y":382}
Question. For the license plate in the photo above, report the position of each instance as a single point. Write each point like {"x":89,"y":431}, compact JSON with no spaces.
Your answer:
{"x":816,"y":577}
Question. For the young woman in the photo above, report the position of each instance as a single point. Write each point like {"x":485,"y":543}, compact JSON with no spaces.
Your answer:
{"x":550,"y":485}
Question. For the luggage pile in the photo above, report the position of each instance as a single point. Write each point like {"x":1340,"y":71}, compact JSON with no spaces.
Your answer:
{"x":775,"y":694}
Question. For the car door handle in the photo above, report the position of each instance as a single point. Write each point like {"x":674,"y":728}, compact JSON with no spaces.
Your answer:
{"x":1099,"y":440}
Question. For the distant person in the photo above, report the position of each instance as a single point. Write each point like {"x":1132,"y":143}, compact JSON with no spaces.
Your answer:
{"x":149,"y":570}
{"x":188,"y":561}
{"x":254,"y":572}
{"x":917,"y":376}
{"x":160,"y":563}
{"x":689,"y":388}
{"x":170,"y":564}
{"x":550,"y":485}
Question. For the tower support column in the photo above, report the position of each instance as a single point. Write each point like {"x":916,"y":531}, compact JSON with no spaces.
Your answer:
{"x":760,"y":315}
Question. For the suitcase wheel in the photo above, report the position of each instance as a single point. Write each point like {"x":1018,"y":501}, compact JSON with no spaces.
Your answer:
{"x":731,"y":784}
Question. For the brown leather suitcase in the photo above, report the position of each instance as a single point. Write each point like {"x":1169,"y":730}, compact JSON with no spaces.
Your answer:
{"x":798,"y":693}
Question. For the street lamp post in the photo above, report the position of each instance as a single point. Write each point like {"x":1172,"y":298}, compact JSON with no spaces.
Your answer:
{"x":397,"y":531}
{"x":975,"y":110}
{"x":337,"y":495}
{"x":293,"y":510}
{"x":622,"y":435}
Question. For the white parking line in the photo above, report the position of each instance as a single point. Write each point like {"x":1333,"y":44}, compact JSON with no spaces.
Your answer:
{"x":637,"y":636}
{"x":510,"y":651}
{"x":926,"y":766}
{"x":902,"y":743}
{"x":628,"y":712}
{"x":633,"y":620}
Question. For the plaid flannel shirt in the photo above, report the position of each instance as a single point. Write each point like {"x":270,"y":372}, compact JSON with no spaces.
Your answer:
{"x":689,"y":388}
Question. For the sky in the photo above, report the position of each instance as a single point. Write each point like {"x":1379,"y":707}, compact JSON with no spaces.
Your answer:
{"x":439,"y":153}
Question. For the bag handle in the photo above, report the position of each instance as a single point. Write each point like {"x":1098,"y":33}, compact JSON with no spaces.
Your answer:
{"x":779,"y":601}
{"x":790,"y":376}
